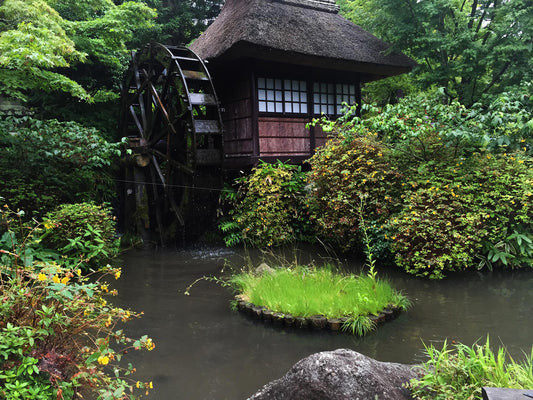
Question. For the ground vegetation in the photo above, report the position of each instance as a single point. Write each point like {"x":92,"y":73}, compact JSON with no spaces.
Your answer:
{"x":60,"y":335}
{"x":457,"y":371}
{"x":306,"y":291}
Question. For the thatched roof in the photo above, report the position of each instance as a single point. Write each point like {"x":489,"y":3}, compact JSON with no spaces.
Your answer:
{"x":301,"y":32}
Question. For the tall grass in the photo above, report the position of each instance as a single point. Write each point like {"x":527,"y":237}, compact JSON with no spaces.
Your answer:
{"x":460,"y":373}
{"x":306,"y":291}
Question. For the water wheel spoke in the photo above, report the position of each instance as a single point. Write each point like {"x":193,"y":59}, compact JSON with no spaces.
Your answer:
{"x":136,"y":120}
{"x":159,"y":172}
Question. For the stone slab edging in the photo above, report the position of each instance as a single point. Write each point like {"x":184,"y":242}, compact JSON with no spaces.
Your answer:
{"x":492,"y":393}
{"x":316,"y":322}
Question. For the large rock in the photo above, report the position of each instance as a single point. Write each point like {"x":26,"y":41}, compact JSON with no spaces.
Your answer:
{"x":340,"y":375}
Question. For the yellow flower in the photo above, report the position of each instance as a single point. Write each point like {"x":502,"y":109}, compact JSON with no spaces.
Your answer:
{"x":41,"y":277}
{"x":103,"y":360}
{"x":65,"y":280}
{"x":137,"y":384}
{"x":56,"y":279}
{"x":149,"y":344}
{"x":48,"y":225}
{"x":151,"y":385}
{"x":78,"y":272}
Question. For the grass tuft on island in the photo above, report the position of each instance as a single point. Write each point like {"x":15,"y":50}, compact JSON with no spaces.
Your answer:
{"x":304,"y":291}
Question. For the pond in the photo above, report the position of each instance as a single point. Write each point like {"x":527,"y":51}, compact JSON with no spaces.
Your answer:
{"x":207,"y":351}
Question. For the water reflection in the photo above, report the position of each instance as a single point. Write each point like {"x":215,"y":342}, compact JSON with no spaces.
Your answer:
{"x":206,"y":351}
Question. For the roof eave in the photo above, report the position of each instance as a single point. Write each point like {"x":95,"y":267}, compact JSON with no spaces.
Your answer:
{"x":368,"y":71}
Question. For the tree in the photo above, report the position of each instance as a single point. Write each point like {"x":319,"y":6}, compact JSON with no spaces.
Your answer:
{"x":472,"y":48}
{"x":33,"y":45}
{"x":43,"y":43}
{"x":181,"y":21}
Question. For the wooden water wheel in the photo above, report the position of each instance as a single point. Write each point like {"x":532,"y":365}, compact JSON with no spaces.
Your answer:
{"x":171,"y":118}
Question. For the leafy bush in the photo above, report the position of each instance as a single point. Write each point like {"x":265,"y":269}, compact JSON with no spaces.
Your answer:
{"x":471,"y":214}
{"x":45,"y":163}
{"x":267,"y":208}
{"x":82,"y":233}
{"x":345,"y":170}
{"x":460,"y":373}
{"x":453,"y":190}
{"x":58,"y":332}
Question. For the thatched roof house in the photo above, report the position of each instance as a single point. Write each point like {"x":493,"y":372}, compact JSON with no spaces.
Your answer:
{"x":278,"y":63}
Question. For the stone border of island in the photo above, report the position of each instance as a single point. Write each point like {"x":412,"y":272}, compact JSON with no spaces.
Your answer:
{"x":315,"y":322}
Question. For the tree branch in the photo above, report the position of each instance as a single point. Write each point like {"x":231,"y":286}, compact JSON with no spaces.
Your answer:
{"x":497,"y":76}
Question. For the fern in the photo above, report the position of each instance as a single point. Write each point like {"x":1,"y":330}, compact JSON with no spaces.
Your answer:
{"x":233,"y":234}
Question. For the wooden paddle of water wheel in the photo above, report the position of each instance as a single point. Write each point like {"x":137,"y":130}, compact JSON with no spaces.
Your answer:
{"x":171,"y":116}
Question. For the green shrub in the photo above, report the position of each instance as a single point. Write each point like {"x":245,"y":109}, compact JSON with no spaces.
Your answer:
{"x":345,"y":170}
{"x":460,"y":373}
{"x":470,"y":214}
{"x":267,"y":207}
{"x":83,"y":230}
{"x":453,"y":187}
{"x":59,"y":335}
{"x":45,"y":163}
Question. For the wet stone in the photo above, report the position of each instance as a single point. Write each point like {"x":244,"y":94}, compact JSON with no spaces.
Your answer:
{"x":388,"y":314}
{"x":257,"y":311}
{"x":334,"y":324}
{"x":241,"y":305}
{"x":248,"y":308}
{"x":318,"y":321}
{"x":289,"y":320}
{"x":301,"y":322}
{"x":267,"y":315}
{"x":278,"y":318}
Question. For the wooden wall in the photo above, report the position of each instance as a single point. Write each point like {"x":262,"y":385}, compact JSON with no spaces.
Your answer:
{"x":283,"y":137}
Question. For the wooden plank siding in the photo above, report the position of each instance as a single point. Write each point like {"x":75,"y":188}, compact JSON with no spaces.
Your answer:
{"x":283,"y":137}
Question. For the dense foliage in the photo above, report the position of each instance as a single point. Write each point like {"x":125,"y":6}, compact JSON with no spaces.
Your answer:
{"x":43,"y":42}
{"x":46,"y":163}
{"x":458,"y":194}
{"x":473,"y":48}
{"x":267,"y":209}
{"x":458,"y":373}
{"x":59,"y":335}
{"x":344,"y":171}
{"x":83,"y":232}
{"x":437,"y":187}
{"x":180,"y":21}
